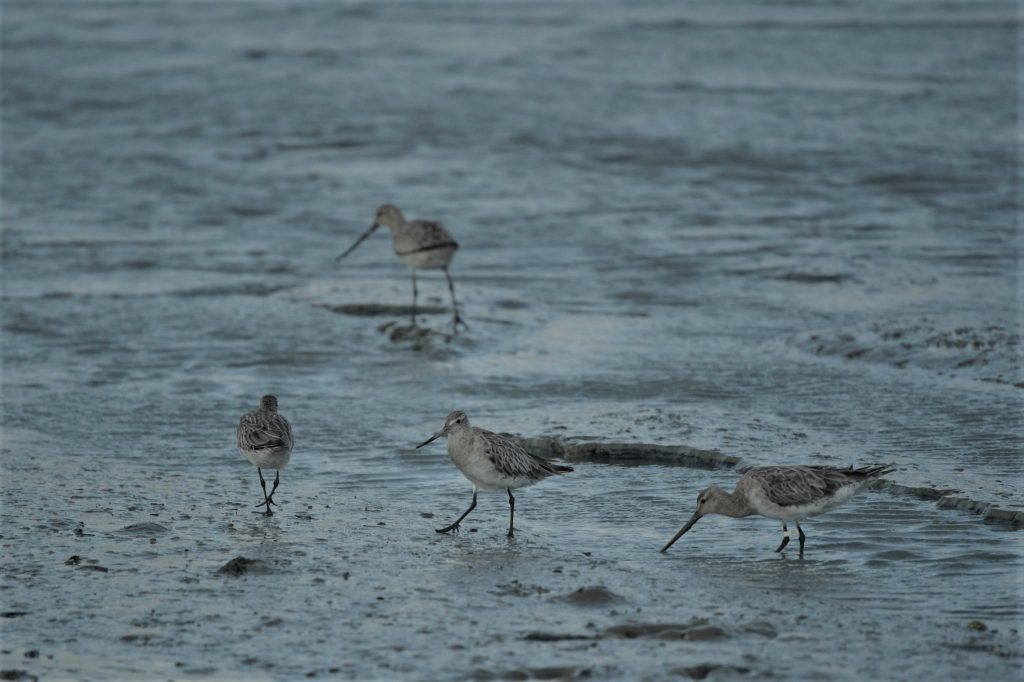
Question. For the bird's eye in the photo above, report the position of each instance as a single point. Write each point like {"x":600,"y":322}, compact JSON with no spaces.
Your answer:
{"x":703,"y":500}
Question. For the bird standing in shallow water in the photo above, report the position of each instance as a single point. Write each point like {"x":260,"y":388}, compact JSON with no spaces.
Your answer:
{"x":491,"y":462}
{"x":787,"y":493}
{"x":422,"y":245}
{"x":265,"y":438}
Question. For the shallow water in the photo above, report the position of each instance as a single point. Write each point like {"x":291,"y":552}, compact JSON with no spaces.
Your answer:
{"x":785,"y":232}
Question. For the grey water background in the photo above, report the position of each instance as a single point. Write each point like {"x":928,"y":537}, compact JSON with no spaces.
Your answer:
{"x":785,"y":231}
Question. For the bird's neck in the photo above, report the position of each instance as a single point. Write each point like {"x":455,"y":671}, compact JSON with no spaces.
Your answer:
{"x":734,"y":505}
{"x":459,"y":435}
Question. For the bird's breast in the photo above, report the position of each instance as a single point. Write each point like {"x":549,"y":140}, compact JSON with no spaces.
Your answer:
{"x":427,"y":259}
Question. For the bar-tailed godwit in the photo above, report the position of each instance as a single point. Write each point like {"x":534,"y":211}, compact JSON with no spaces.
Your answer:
{"x":422,"y":245}
{"x":491,"y":462}
{"x":786,"y":493}
{"x":265,"y":438}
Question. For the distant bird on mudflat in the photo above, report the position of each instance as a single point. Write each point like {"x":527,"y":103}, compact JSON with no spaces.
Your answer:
{"x":491,"y":462}
{"x":422,"y":245}
{"x":265,"y":438}
{"x":786,"y":493}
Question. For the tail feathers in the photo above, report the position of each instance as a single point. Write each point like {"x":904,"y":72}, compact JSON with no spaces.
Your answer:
{"x":550,"y":467}
{"x":871,"y":471}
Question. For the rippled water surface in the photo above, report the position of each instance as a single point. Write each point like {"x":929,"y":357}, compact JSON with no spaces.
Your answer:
{"x":786,"y":232}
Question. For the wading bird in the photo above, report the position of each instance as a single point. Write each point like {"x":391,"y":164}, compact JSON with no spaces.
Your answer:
{"x":786,"y":493}
{"x":491,"y":462}
{"x":422,"y":245}
{"x":265,"y":438}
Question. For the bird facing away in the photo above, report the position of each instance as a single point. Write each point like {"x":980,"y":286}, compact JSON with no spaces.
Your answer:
{"x":491,"y":462}
{"x":786,"y":493}
{"x":265,"y":438}
{"x":422,"y":245}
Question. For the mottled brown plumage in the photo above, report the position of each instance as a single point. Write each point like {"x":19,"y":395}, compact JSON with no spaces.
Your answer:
{"x":265,"y":438}
{"x":787,"y":493}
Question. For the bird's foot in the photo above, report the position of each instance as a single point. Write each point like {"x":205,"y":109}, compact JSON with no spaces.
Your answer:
{"x":510,"y":533}
{"x":453,"y":529}
{"x":456,"y":321}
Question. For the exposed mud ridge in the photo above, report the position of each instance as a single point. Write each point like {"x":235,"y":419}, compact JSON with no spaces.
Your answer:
{"x":648,"y":453}
{"x":946,"y":498}
{"x":985,"y":353}
{"x":591,"y":451}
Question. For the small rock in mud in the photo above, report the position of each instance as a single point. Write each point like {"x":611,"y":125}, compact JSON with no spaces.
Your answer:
{"x":552,"y":637}
{"x":97,"y":569}
{"x":595,"y":595}
{"x":427,"y":515}
{"x":17,"y":675}
{"x":977,"y":625}
{"x":696,"y":631}
{"x":699,"y":672}
{"x":73,"y":560}
{"x":144,"y":527}
{"x":240,"y":566}
{"x":13,"y":614}
{"x":517,"y":589}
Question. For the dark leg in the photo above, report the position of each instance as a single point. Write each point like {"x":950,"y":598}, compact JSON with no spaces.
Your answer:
{"x":413,"y":296}
{"x":266,"y":500}
{"x":277,"y":479}
{"x":511,"y":511}
{"x":455,"y":526}
{"x":456,"y":319}
{"x":802,"y":538}
{"x":785,"y":537}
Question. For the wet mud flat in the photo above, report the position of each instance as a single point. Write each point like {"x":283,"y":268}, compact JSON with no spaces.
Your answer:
{"x":780,"y":233}
{"x":172,"y":573}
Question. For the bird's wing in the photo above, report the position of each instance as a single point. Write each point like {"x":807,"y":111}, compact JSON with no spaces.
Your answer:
{"x":794,"y":485}
{"x":509,"y":458}
{"x":431,"y":235}
{"x":259,"y":430}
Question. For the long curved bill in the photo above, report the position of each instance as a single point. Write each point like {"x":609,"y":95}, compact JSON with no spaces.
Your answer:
{"x":359,"y":241}
{"x":431,"y":439}
{"x":689,"y":524}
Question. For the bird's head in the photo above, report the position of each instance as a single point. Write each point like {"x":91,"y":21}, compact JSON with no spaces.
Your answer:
{"x":455,"y":421}
{"x":389,"y":215}
{"x":712,"y":500}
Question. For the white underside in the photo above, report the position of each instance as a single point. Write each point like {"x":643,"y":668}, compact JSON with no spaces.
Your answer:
{"x":763,"y":506}
{"x":482,"y":474}
{"x":477,"y":467}
{"x":276,"y":458}
{"x":431,"y":259}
